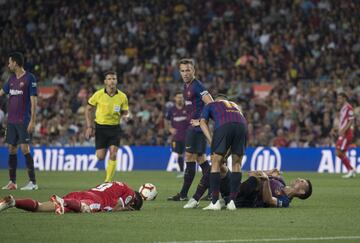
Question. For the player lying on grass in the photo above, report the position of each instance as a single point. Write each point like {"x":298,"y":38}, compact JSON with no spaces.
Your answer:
{"x":112,"y":196}
{"x":268,"y":189}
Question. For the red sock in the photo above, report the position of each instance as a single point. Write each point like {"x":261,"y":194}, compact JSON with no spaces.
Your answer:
{"x":345,"y":160}
{"x":72,"y":204}
{"x":27,"y":204}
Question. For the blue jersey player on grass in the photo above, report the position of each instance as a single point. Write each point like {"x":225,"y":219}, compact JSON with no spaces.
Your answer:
{"x":22,"y":91}
{"x":230,"y":136}
{"x":196,"y":97}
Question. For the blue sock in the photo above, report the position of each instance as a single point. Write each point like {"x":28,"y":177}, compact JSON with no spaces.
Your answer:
{"x":188,"y":178}
{"x":204,"y":181}
{"x":214,"y":186}
{"x":225,"y":186}
{"x":235,"y":184}
{"x":181,"y":163}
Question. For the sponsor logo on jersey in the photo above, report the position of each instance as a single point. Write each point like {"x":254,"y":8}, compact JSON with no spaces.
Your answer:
{"x":14,"y":92}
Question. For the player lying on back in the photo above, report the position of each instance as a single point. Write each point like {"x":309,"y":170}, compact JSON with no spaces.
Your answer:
{"x":108,"y":197}
{"x":268,"y":189}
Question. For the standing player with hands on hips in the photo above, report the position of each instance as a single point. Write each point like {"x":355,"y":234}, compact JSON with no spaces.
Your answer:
{"x":110,"y":104}
{"x":22,"y":91}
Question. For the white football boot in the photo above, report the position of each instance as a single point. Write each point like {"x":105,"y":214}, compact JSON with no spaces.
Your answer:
{"x":29,"y":187}
{"x":7,"y":202}
{"x":214,"y":207}
{"x":192,"y":203}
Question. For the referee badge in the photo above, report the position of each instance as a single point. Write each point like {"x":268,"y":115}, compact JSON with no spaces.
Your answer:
{"x":117,"y":108}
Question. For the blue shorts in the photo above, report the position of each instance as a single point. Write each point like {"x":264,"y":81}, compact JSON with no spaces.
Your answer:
{"x":231,"y":136}
{"x":16,"y":133}
{"x":195,"y":142}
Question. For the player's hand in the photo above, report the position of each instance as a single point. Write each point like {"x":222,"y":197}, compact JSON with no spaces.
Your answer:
{"x":172,"y":131}
{"x":195,"y":122}
{"x":89,"y":132}
{"x":31,"y":127}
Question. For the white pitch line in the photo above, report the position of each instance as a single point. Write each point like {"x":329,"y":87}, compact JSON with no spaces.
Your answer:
{"x":270,"y":240}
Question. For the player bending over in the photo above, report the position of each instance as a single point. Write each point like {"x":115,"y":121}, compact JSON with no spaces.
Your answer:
{"x":112,"y":196}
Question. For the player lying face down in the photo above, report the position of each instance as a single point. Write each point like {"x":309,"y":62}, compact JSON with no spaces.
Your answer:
{"x":107,"y":197}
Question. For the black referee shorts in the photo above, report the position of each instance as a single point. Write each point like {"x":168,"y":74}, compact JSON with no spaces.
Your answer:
{"x":230,"y":135}
{"x":16,"y":133}
{"x":107,"y":135}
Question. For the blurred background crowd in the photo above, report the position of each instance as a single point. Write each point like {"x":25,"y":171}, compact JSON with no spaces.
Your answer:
{"x":305,"y":51}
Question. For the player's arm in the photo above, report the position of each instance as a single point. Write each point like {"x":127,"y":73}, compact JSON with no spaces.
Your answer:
{"x":266,"y":192}
{"x":89,"y":116}
{"x":120,"y":208}
{"x":31,"y":126}
{"x":206,"y":130}
{"x":348,"y":125}
{"x":207,"y":98}
{"x":274,"y":173}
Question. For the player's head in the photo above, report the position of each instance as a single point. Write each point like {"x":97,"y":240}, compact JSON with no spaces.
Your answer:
{"x":221,"y":97}
{"x":179,"y":98}
{"x":110,"y":80}
{"x":138,"y":201}
{"x":16,"y":60}
{"x":302,"y":188}
{"x":342,"y":98}
{"x":187,"y":69}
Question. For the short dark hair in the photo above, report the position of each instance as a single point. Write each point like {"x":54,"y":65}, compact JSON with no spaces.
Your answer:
{"x":111,"y":72}
{"x":186,"y":61}
{"x":138,"y":202}
{"x":178,"y":91}
{"x":224,"y":96}
{"x":308,"y":193}
{"x":17,"y":57}
{"x":342,"y":94}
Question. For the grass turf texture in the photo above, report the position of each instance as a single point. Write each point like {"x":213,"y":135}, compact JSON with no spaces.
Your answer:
{"x":332,"y":211}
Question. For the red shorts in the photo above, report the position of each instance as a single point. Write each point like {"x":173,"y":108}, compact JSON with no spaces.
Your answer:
{"x":90,"y":199}
{"x":343,"y":142}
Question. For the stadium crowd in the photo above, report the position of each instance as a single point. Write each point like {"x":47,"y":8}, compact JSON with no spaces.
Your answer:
{"x":303,"y":49}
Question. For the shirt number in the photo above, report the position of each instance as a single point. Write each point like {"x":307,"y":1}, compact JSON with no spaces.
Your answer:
{"x":102,"y":187}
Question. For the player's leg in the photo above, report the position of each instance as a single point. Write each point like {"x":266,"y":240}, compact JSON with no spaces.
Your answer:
{"x":27,"y":204}
{"x":235,"y":180}
{"x":24,"y":140}
{"x":111,"y":167}
{"x":190,"y":161}
{"x":205,"y":178}
{"x":11,"y":139}
{"x":341,"y":147}
{"x":179,"y":148}
{"x":215,"y":182}
{"x":101,"y":144}
{"x":113,"y":141}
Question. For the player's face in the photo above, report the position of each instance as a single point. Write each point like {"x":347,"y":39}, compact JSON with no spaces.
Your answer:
{"x":12,"y":65}
{"x":187,"y":72}
{"x":179,"y":99}
{"x":340,"y":100}
{"x":299,"y":184}
{"x":110,"y":82}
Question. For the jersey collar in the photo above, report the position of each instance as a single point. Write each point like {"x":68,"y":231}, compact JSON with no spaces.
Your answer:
{"x":117,"y":91}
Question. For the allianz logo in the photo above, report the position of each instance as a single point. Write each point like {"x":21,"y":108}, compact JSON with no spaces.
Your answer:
{"x":330,"y":163}
{"x":266,"y":158}
{"x":55,"y":159}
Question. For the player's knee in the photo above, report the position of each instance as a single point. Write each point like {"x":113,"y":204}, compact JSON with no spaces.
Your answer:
{"x":12,"y":149}
{"x":189,"y":157}
{"x":25,"y":149}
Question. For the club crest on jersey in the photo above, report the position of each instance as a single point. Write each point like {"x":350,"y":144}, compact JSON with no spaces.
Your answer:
{"x":21,"y":84}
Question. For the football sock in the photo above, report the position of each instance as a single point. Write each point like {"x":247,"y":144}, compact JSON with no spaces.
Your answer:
{"x":204,"y":181}
{"x":345,"y":160}
{"x":30,"y":167}
{"x":181,"y":163}
{"x":110,"y":171}
{"x":214,"y":186}
{"x":188,"y":178}
{"x":235,"y":184}
{"x":12,"y":167}
{"x":225,"y":186}
{"x":72,"y":204}
{"x":27,"y":204}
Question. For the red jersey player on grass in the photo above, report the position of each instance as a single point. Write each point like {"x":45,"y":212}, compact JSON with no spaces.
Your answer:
{"x":345,"y":132}
{"x":107,"y":197}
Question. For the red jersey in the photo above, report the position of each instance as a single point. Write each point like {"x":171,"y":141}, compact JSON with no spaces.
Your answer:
{"x":346,"y":115}
{"x":105,"y":197}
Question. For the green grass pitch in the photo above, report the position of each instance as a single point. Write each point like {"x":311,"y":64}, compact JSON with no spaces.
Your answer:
{"x":333,"y":212}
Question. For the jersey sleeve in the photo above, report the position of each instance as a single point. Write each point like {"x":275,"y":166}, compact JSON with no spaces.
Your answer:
{"x":169,"y":114}
{"x":283,"y":202}
{"x":200,"y":89}
{"x":350,"y":114}
{"x":32,"y":85}
{"x":6,"y":87}
{"x":93,"y":100}
{"x":206,"y":112}
{"x":125,"y":104}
